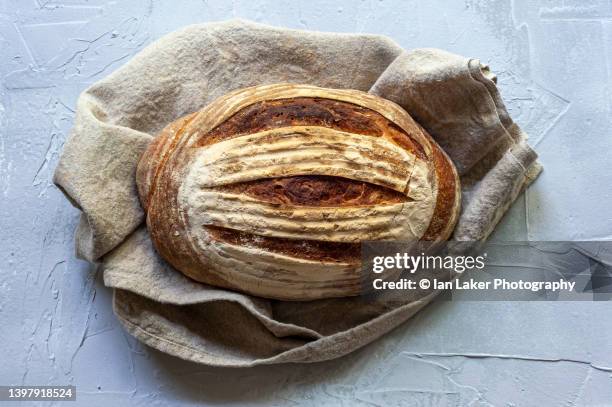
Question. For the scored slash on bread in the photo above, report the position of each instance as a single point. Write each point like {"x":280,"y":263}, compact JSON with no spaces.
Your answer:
{"x":269,"y":190}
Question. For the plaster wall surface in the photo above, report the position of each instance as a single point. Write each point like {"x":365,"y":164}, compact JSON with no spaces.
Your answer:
{"x":553,"y":59}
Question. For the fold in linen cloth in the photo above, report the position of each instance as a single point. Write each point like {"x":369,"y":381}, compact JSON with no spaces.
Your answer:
{"x":453,"y":97}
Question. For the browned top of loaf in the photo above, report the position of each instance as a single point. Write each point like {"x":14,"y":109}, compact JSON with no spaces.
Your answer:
{"x":308,"y":111}
{"x":322,"y":191}
{"x":316,"y":190}
{"x":308,"y":190}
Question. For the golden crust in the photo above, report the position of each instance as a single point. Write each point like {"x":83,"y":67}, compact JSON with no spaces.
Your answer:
{"x":270,"y":189}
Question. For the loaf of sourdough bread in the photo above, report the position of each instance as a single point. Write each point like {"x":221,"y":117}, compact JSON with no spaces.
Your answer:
{"x":270,"y":190}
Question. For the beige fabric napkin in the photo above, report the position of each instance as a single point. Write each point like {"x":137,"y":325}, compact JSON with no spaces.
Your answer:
{"x":453,"y":97}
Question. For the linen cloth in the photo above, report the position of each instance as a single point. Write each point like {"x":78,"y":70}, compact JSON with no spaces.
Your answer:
{"x":453,"y":97}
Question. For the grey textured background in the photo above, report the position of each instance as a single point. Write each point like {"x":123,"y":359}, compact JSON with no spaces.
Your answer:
{"x":554,"y":63}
